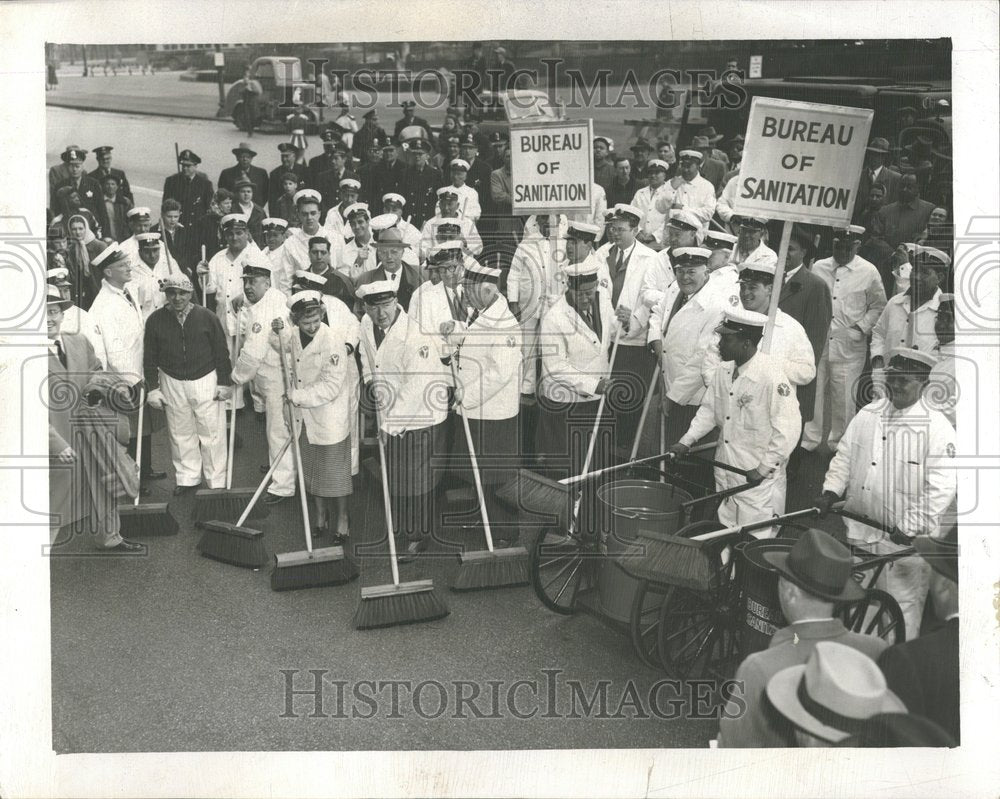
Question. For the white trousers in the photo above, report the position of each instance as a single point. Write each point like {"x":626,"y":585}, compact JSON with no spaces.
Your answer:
{"x":836,"y":404}
{"x":196,"y":424}
{"x":907,"y":580}
{"x":269,"y":386}
{"x":756,"y":504}
{"x":530,"y":329}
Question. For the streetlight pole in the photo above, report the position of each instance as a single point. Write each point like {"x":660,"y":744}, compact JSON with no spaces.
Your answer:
{"x":84,"y":48}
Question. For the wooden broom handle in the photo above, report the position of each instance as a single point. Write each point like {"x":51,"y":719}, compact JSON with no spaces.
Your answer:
{"x":260,"y":488}
{"x":295,"y":445}
{"x":138,"y":443}
{"x":475,"y":463}
{"x":231,"y":449}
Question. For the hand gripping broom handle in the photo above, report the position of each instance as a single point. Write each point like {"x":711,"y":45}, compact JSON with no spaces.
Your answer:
{"x":138,"y":444}
{"x":385,"y":472}
{"x":475,"y":463}
{"x":638,"y":462}
{"x":295,"y":446}
{"x":597,"y":425}
{"x":645,"y":412}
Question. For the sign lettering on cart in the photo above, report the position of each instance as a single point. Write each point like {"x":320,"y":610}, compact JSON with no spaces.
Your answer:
{"x":552,"y":167}
{"x":802,"y":161}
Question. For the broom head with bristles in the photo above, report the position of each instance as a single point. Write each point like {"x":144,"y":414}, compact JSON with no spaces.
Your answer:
{"x":226,"y":503}
{"x":531,"y":493}
{"x":151,"y":518}
{"x":326,"y":566}
{"x":671,"y":560}
{"x":391,"y":605}
{"x":239,"y":546}
{"x":501,"y":568}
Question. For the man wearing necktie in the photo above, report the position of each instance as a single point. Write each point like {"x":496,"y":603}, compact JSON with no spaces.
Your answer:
{"x":191,"y":188}
{"x":404,"y":278}
{"x":79,"y":496}
{"x":122,"y":326}
{"x":85,"y":186}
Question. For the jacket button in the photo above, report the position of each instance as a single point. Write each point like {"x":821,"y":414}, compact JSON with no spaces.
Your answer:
{"x":874,"y":464}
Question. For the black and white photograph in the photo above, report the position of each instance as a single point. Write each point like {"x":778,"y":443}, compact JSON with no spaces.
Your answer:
{"x":500,"y":400}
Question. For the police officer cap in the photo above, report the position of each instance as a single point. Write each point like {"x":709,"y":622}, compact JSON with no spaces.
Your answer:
{"x":233,"y":221}
{"x":460,"y":163}
{"x":188,"y":156}
{"x":446,"y":252}
{"x":911,"y":361}
{"x":307,"y":195}
{"x":102,"y":150}
{"x":109,"y":255}
{"x":582,"y":275}
{"x":73,"y":153}
{"x":468,"y":140}
{"x":178,"y":282}
{"x":377,"y":291}
{"x":582,"y":231}
{"x":306,"y":300}
{"x":139,"y":210}
{"x":689,"y":256}
{"x":657,"y":163}
{"x":448,"y":191}
{"x":738,"y":319}
{"x":408,"y":104}
{"x":357,"y":208}
{"x":628,"y":212}
{"x":273,"y":223}
{"x":418,"y":145}
{"x":755,"y":222}
{"x":392,"y":197}
{"x":383,"y":222}
{"x":850,"y":233}
{"x":287,"y":147}
{"x":477,"y":273}
{"x":684,"y":220}
{"x":150,"y":239}
{"x":58,"y":276}
{"x":717,"y":240}
{"x":350,"y":183}
{"x":303,"y":277}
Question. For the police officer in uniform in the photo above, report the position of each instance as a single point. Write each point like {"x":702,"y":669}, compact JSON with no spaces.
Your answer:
{"x":259,"y":362}
{"x":420,"y":182}
{"x":191,"y":188}
{"x":751,"y":402}
{"x":104,"y":169}
{"x":402,"y":375}
{"x":290,"y":163}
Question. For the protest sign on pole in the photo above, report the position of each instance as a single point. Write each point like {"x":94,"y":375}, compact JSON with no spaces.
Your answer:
{"x":552,"y":167}
{"x":801,"y":163}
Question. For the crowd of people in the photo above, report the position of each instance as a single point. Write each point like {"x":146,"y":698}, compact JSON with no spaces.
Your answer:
{"x":388,"y":289}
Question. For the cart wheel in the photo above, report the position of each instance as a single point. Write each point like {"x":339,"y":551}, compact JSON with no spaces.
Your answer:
{"x":698,"y":630}
{"x":562,"y":565}
{"x":877,"y":614}
{"x":644,"y":621}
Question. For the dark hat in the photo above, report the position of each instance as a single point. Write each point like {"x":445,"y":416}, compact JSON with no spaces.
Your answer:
{"x":468,"y":140}
{"x":408,"y":104}
{"x":243,"y":147}
{"x":910,"y":361}
{"x":755,"y":222}
{"x":640,"y":144}
{"x":819,"y":564}
{"x":73,"y":153}
{"x":896,"y":730}
{"x":287,"y":147}
{"x":234,"y":221}
{"x":419,"y":145}
{"x":805,"y":238}
{"x":243,"y":183}
{"x":477,"y":273}
{"x":940,"y":553}
{"x":330,"y":134}
{"x":919,"y":146}
{"x":582,"y":231}
{"x":369,"y":114}
{"x":449,"y":227}
{"x":849,"y":233}
{"x":446,"y":252}
{"x":709,"y":133}
{"x":55,"y":231}
{"x":110,"y":176}
{"x":104,"y":148}
{"x":878,"y":145}
{"x":188,"y":155}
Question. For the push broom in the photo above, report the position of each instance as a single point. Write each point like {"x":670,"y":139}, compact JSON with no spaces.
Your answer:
{"x":310,"y":568}
{"x":488,"y":568}
{"x":150,"y":518}
{"x":233,"y":543}
{"x":228,"y":502}
{"x":395,"y":603}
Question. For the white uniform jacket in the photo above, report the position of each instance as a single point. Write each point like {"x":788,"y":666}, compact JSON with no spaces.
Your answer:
{"x":121,"y":324}
{"x":468,"y":203}
{"x":574,"y":359}
{"x":687,"y":341}
{"x":658,"y":279}
{"x":598,"y":208}
{"x":640,"y":260}
{"x":145,"y":284}
{"x":790,"y":348}
{"x":858,"y":299}
{"x":489,"y":363}
{"x":282,"y":268}
{"x":348,"y":264}
{"x":428,"y":240}
{"x":534,"y":274}
{"x":757,"y":415}
{"x":257,"y":359}
{"x":320,"y":383}
{"x":897,"y":327}
{"x":406,"y":372}
{"x":653,"y":219}
{"x":430,"y":306}
{"x":698,"y":197}
{"x":225,"y":280}
{"x":896,"y":467}
{"x":724,"y":206}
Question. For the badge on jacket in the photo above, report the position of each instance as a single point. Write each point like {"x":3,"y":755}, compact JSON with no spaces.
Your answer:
{"x":256,"y":327}
{"x":423,"y":351}
{"x":950,"y":449}
{"x":783,"y":389}
{"x":511,"y":341}
{"x":335,"y":359}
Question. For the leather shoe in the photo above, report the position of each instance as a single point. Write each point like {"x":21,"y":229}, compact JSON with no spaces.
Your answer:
{"x":126,"y":546}
{"x":178,"y":490}
{"x":153,"y":475}
{"x":273,"y":499}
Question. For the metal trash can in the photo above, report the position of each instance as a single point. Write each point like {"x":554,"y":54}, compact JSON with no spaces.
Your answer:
{"x":762,"y":614}
{"x":625,"y":506}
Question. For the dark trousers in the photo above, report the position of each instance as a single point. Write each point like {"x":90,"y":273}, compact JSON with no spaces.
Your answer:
{"x":676,"y":426}
{"x":632,"y":373}
{"x":146,"y":467}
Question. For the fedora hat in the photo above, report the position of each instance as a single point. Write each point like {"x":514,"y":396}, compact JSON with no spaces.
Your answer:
{"x":833,"y":694}
{"x":709,"y":133}
{"x":700,"y":142}
{"x":243,"y":147}
{"x":878,"y":145}
{"x":819,"y":564}
{"x":940,"y":553}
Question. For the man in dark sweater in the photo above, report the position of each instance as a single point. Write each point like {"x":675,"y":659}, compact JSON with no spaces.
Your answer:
{"x":187,"y":370}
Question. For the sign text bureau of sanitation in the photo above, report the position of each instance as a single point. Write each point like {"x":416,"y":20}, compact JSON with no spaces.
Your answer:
{"x":802,"y":161}
{"x":552,"y":167}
